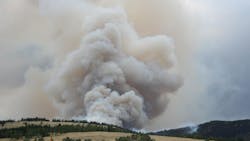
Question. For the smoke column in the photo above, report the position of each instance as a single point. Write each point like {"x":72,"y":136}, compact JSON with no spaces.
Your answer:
{"x":114,"y":76}
{"x":99,"y":60}
{"x":65,"y":58}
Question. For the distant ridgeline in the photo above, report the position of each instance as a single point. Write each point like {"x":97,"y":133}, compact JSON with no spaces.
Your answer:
{"x":41,"y":127}
{"x":214,"y":130}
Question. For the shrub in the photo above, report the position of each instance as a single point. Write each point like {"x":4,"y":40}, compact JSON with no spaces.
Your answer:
{"x":135,"y":137}
{"x":70,"y":139}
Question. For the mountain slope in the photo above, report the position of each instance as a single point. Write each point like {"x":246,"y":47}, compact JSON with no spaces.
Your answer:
{"x":218,"y":130}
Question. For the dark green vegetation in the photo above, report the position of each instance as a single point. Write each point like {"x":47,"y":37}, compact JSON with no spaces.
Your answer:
{"x":2,"y":123}
{"x":34,"y":119}
{"x":214,"y":130}
{"x":40,"y":130}
{"x":70,"y":139}
{"x":37,"y":128}
{"x":135,"y":137}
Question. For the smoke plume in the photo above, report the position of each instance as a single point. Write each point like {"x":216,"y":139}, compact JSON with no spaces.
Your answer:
{"x":87,"y":62}
{"x":114,"y":76}
{"x":114,"y":61}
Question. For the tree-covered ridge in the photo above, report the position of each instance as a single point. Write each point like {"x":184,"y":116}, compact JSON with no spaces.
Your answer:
{"x":216,"y":130}
{"x":30,"y":129}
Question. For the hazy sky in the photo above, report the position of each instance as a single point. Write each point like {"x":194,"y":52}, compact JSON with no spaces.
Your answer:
{"x":212,"y":40}
{"x":225,"y":58}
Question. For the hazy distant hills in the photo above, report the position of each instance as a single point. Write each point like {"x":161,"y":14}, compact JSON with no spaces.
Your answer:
{"x":216,"y":130}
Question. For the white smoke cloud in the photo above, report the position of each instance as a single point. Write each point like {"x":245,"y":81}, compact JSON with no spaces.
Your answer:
{"x":99,"y":66}
{"x":58,"y":56}
{"x":115,"y":70}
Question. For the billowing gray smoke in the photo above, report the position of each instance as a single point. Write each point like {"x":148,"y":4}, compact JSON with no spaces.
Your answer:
{"x":99,"y":58}
{"x":114,"y":76}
